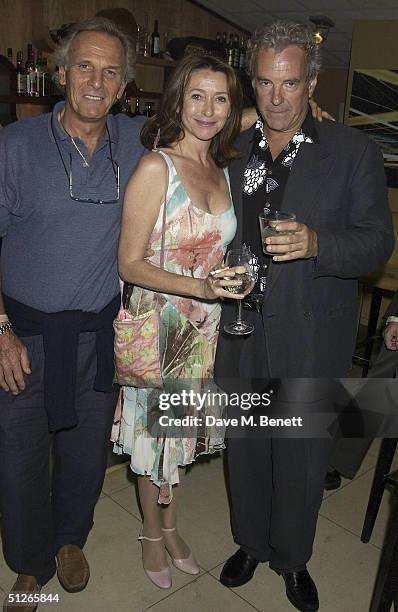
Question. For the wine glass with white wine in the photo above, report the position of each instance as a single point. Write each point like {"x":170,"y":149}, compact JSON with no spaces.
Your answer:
{"x":240,"y":260}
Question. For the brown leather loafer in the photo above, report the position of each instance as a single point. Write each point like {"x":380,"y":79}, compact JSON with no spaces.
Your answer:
{"x":14,"y":601}
{"x":72,"y":568}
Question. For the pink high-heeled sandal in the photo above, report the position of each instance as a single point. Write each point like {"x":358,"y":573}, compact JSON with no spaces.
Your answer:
{"x":187,"y":565}
{"x":162,"y":578}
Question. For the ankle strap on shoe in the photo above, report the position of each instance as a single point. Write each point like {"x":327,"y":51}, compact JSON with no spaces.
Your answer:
{"x":170,"y":529}
{"x":142,"y":537}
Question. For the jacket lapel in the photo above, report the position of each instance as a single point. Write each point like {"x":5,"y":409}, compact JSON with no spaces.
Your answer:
{"x":237,"y":168}
{"x":307,"y":178}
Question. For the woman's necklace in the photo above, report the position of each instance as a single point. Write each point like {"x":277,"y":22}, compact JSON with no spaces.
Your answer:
{"x":85,"y":162}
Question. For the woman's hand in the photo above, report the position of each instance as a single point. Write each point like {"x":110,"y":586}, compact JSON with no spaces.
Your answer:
{"x":214,"y":285}
{"x":250,"y":115}
{"x":318,"y":113}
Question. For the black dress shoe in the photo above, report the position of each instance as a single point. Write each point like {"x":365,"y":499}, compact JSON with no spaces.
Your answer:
{"x":239,"y":569}
{"x":301,"y":590}
{"x":332,"y":480}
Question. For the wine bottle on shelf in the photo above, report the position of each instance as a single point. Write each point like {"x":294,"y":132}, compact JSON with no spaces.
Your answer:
{"x":236,"y":51}
{"x":165,"y":41}
{"x":9,"y":55}
{"x":31,"y":73}
{"x":126,"y":106}
{"x":146,"y":49}
{"x":230,"y":50}
{"x":224,"y":44}
{"x":155,"y":41}
{"x":242,"y":54}
{"x":148,"y":111}
{"x":22,"y":86}
{"x":138,"y":42}
{"x":42,"y":75}
{"x":137,"y":111}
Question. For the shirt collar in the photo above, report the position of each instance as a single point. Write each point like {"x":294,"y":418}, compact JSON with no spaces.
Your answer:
{"x":306,"y":133}
{"x":55,"y":129}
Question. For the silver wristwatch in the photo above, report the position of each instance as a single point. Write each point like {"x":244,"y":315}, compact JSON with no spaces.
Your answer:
{"x":5,"y":327}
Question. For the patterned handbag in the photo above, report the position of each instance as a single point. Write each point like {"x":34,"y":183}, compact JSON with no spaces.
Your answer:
{"x":137,"y":353}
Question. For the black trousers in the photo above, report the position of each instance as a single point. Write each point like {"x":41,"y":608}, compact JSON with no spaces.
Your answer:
{"x":41,"y":513}
{"x":275,"y":483}
{"x":276,"y":488}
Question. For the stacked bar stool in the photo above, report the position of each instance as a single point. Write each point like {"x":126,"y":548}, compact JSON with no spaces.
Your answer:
{"x":385,"y":592}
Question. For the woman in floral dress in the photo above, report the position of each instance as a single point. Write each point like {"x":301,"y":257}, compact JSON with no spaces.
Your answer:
{"x":179,"y":196}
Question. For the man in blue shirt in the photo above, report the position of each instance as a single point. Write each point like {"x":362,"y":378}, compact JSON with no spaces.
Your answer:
{"x":62,"y":179}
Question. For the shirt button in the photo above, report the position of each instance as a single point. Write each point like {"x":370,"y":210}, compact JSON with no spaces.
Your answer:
{"x":308,"y":314}
{"x":270,"y":172}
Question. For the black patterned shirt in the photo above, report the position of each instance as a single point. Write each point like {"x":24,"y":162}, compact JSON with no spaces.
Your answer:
{"x":264,"y":183}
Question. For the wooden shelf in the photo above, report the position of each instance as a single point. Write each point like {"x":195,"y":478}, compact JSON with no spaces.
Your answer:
{"x":386,"y":278}
{"x":154,"y":61}
{"x":43,"y":100}
{"x":134,"y":92}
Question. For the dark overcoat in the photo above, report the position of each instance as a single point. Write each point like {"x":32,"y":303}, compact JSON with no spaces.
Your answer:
{"x":337,"y":187}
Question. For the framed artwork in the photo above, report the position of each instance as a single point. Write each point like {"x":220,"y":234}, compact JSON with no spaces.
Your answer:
{"x":374,"y":110}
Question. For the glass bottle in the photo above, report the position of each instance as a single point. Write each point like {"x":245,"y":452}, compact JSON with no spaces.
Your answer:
{"x":22,"y":87}
{"x":236,"y":51}
{"x":137,"y":111}
{"x":31,"y":73}
{"x":155,"y":41}
{"x":242,"y":54}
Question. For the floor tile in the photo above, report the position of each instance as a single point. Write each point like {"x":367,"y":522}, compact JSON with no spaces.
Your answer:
{"x":127,"y":498}
{"x":341,"y":565}
{"x":202,"y":495}
{"x":368,"y":463}
{"x":374,"y":452}
{"x":344,"y":568}
{"x":375,"y":448}
{"x":348,"y":505}
{"x":117,"y":579}
{"x":203,"y":595}
{"x":7,"y":577}
{"x":116,"y":478}
{"x":204,"y":515}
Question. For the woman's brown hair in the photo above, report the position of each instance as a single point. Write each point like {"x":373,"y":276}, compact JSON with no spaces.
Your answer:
{"x":168,"y":119}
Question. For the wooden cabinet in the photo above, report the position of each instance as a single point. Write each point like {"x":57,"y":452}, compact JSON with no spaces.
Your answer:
{"x":24,"y":22}
{"x":151,"y":74}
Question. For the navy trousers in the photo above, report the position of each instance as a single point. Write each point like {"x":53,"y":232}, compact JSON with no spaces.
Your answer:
{"x":41,"y":511}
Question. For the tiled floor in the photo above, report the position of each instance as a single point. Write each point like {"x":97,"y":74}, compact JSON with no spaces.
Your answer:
{"x":344,"y":567}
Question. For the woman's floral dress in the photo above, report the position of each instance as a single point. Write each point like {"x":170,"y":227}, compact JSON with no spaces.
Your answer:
{"x":195,"y":242}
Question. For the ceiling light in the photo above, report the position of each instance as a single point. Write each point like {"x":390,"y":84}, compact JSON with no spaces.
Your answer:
{"x":322,"y":27}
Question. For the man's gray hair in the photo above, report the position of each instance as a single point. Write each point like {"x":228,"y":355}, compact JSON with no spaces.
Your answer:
{"x":96,"y":24}
{"x":281,"y":34}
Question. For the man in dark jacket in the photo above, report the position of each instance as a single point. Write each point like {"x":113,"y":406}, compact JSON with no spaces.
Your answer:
{"x":304,"y":303}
